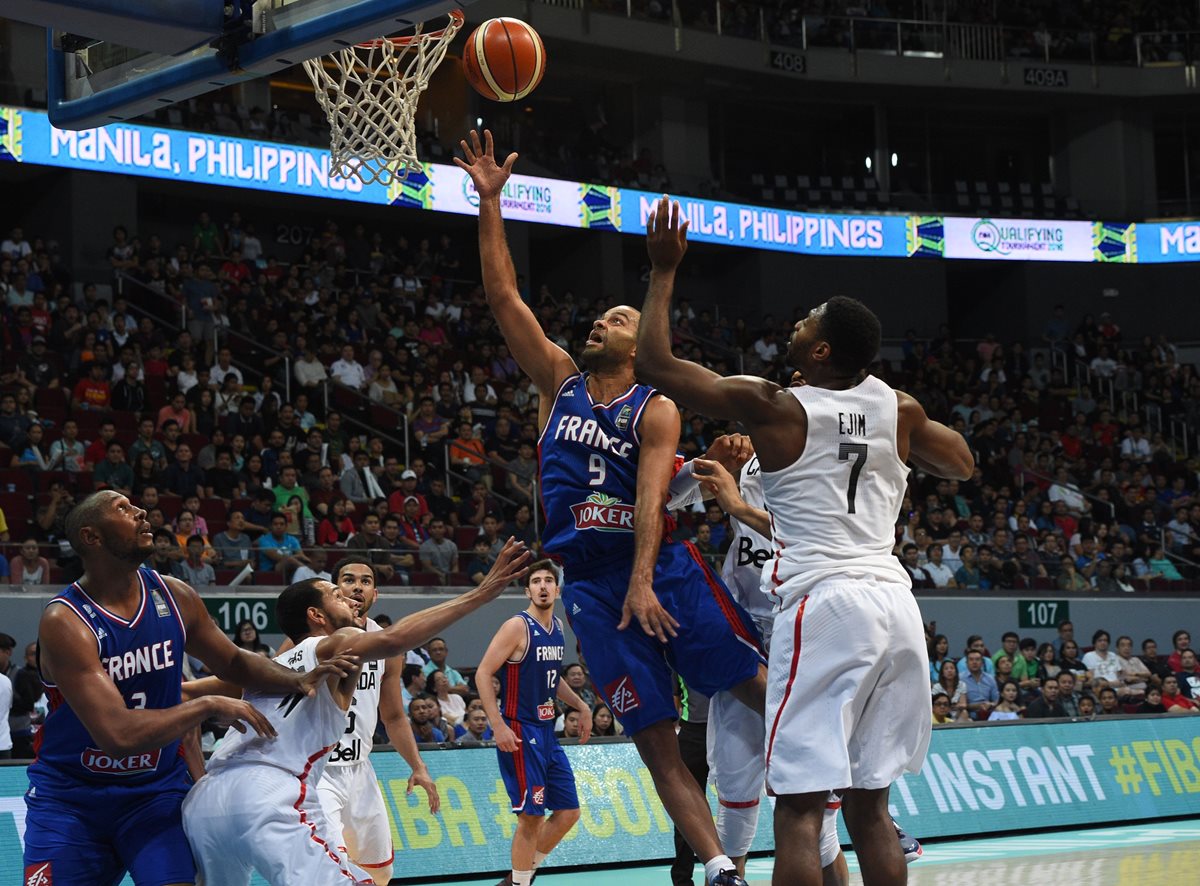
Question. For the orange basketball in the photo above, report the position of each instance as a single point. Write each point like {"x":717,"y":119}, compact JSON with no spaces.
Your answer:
{"x":504,"y":59}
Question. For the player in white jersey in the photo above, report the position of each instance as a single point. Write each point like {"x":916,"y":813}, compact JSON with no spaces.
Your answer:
{"x":736,"y":742}
{"x":349,"y":790}
{"x":851,"y":713}
{"x":256,"y":808}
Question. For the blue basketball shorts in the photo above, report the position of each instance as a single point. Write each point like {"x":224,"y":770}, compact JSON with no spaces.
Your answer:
{"x":93,"y":834}
{"x":717,"y":644}
{"x":538,"y":776}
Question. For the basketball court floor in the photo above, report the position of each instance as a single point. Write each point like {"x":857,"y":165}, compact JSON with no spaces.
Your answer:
{"x":1165,"y":854}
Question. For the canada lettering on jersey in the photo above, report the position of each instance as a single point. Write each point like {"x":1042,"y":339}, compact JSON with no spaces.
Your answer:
{"x":587,"y":432}
{"x":155,"y":657}
{"x":853,"y":424}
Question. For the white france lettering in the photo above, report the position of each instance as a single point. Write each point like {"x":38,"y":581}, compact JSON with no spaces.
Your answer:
{"x":550,"y":653}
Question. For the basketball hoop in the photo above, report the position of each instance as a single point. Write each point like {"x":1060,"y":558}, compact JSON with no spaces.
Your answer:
{"x":369,"y":93}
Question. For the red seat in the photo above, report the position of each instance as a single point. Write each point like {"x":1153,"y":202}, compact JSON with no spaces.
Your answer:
{"x":268,"y":578}
{"x":464,"y":537}
{"x":460,"y":580}
{"x":1043,"y":584}
{"x":18,"y":511}
{"x":425,"y":580}
{"x":20,"y":479}
{"x":212,"y":509}
{"x":385,"y":418}
{"x":225,"y":576}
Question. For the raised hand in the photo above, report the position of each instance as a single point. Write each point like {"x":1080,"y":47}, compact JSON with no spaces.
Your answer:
{"x":666,"y":236}
{"x":718,"y":482}
{"x":513,"y":560}
{"x":480,"y":164}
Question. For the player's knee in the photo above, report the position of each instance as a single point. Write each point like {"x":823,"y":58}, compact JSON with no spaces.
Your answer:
{"x":567,"y":816}
{"x":382,"y":876}
{"x":735,"y":828}
{"x":529,"y":823}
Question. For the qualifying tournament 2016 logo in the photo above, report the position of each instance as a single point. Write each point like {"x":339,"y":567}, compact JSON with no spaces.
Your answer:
{"x":603,"y":512}
{"x":988,"y":236}
{"x":517,"y":195}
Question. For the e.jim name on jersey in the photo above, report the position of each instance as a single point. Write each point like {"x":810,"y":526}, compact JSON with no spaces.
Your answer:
{"x":852,"y":424}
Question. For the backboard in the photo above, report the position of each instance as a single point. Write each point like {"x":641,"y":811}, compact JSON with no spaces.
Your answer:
{"x":112,"y":60}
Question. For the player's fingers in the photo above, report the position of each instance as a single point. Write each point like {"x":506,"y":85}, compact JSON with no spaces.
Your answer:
{"x":458,"y":161}
{"x":683,"y":229}
{"x":510,"y":160}
{"x":467,"y":152}
{"x":674,"y":215}
{"x":489,"y":147}
{"x":238,"y":725}
{"x":475,"y":145}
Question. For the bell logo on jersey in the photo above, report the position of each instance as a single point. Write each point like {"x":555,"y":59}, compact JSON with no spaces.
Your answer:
{"x":603,"y":512}
{"x":538,"y":794}
{"x":39,"y":875}
{"x":623,"y":695}
{"x":747,"y":555}
{"x":97,"y":761}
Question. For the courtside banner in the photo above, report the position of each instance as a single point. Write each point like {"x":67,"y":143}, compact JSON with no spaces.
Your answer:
{"x":1019,"y":239}
{"x":984,"y":780}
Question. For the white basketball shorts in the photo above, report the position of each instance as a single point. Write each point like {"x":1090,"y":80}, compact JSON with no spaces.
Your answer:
{"x":355,"y":810}
{"x":847,"y":688}
{"x":245,"y":818}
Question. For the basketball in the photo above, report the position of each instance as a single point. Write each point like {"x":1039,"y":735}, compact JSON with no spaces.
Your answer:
{"x":504,"y":59}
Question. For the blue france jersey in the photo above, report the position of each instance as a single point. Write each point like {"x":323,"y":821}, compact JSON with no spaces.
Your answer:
{"x":588,"y":457}
{"x":144,"y":658}
{"x":528,"y":687}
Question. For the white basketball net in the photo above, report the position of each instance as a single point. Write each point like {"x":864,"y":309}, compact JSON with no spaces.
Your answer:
{"x":369,"y":94}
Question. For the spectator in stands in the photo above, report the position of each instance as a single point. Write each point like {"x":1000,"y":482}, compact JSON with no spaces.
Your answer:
{"x":176,"y":411}
{"x":29,"y":567}
{"x":939,"y":651}
{"x":440,"y":505}
{"x":336,"y":527}
{"x":1069,"y":660}
{"x":480,"y":560}
{"x":1134,"y":676}
{"x":93,"y":393}
{"x":348,"y":371}
{"x":1188,"y":675}
{"x":66,"y":453}
{"x":424,"y":713}
{"x":438,"y":653}
{"x":1181,"y":641}
{"x":452,"y":704}
{"x":1069,"y":578}
{"x":166,"y":552}
{"x":521,"y":473}
{"x":13,"y":425}
{"x":1173,"y":698}
{"x":1109,"y":706}
{"x":245,"y":636}
{"x":467,"y":456}
{"x":369,"y":540}
{"x":183,"y":477}
{"x":476,"y":730}
{"x":1068,"y":696}
{"x":1149,"y":657}
{"x":975,"y":642}
{"x":1104,"y":665}
{"x":194,"y":569}
{"x":233,"y":545}
{"x":33,"y":455}
{"x":942,"y":713}
{"x":1047,"y":704}
{"x":113,"y":472}
{"x":1009,"y":707}
{"x":1047,"y":662}
{"x":910,"y":559}
{"x":278,"y":551}
{"x":939,"y":573}
{"x":1009,"y":647}
{"x":438,"y":554}
{"x":952,"y":687}
{"x":981,"y":690}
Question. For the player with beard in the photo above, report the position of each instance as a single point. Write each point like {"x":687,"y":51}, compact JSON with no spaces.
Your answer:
{"x":349,"y":790}
{"x":108,"y":784}
{"x":255,"y":809}
{"x":850,"y":713}
{"x":606,"y":456}
{"x":527,"y":656}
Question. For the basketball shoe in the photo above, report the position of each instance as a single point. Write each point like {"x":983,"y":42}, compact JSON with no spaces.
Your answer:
{"x":910,"y":846}
{"x":507,"y":881}
{"x":727,"y":878}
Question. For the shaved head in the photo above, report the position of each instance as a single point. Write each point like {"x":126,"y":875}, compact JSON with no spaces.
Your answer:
{"x":88,"y":512}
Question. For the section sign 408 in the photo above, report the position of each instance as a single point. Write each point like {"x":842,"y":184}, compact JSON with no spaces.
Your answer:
{"x":789,"y":62}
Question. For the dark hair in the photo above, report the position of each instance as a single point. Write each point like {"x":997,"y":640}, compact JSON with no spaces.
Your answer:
{"x":1180,"y":633}
{"x":1101,"y":633}
{"x":352,"y":560}
{"x":7,"y":641}
{"x":612,"y":727}
{"x":543,"y":565}
{"x":410,"y":671}
{"x":1054,"y":680}
{"x":852,"y":331}
{"x":1011,"y":635}
{"x":1028,"y":643}
{"x":291,"y":609}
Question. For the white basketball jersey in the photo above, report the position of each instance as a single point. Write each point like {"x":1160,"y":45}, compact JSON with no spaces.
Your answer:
{"x":306,"y":727}
{"x":748,"y":550}
{"x":833,"y":511}
{"x":361,"y":719}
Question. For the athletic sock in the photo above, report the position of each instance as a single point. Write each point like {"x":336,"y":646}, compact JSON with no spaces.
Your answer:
{"x":715,"y":865}
{"x":521,"y":878}
{"x":538,"y":858}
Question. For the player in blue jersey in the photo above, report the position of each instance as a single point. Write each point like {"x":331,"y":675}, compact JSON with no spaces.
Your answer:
{"x":527,"y":656}
{"x":607,"y":455}
{"x":108,"y":784}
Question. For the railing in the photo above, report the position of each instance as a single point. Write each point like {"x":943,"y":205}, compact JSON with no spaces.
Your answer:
{"x":933,"y":38}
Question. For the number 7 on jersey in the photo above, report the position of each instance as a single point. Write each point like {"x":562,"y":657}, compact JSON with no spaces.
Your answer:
{"x":859,"y":450}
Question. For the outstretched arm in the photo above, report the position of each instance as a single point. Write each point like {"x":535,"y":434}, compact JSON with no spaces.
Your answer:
{"x":741,"y":397}
{"x":542,"y":360}
{"x":399,"y":731}
{"x":932,"y":446}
